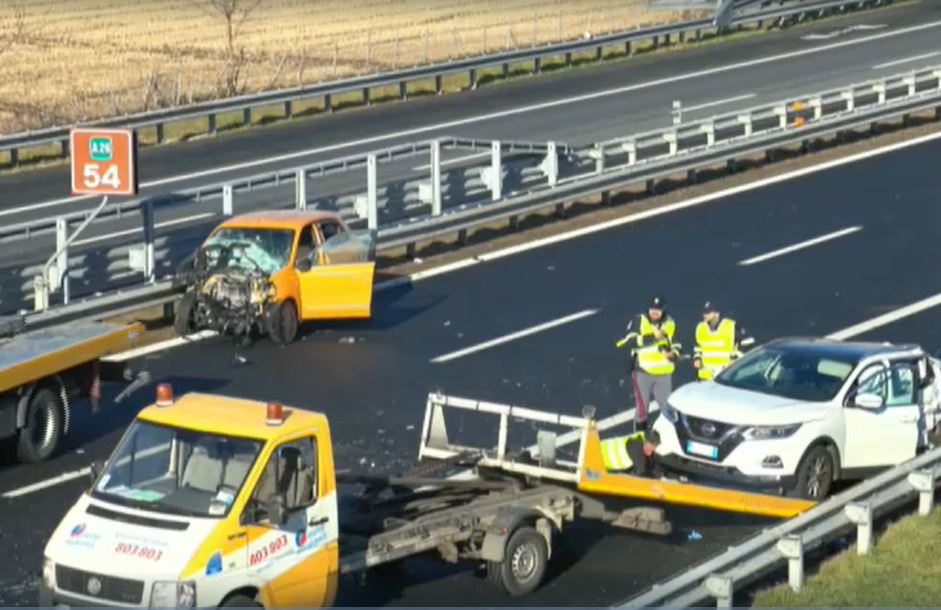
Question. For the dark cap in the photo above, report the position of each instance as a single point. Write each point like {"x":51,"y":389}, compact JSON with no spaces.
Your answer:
{"x":710,"y":306}
{"x":652,"y":437}
{"x":657,"y":303}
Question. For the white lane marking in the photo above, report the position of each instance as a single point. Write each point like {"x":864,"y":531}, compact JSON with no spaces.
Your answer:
{"x":905,"y":60}
{"x":159,"y":346}
{"x":737,"y":98}
{"x":513,"y":336}
{"x":505,"y":113}
{"x":800,"y":246}
{"x":159,"y":225}
{"x":71,"y":476}
{"x":887,"y":318}
{"x":453,"y":161}
{"x":849,"y":30}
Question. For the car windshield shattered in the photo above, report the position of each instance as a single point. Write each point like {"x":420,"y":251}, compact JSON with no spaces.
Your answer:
{"x":797,"y":375}
{"x":177,"y":471}
{"x":267,"y":250}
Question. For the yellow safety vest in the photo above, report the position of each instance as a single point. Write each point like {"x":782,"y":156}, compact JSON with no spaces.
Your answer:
{"x":649,"y":357}
{"x":614,"y":452}
{"x":715,"y":347}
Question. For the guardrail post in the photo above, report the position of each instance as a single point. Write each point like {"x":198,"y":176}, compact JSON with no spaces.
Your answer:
{"x":472,"y":78}
{"x":327,"y":103}
{"x":781,"y":112}
{"x":860,"y":514}
{"x":372,"y":198}
{"x":817,"y":104}
{"x":631,"y":149}
{"x":227,"y":197}
{"x":62,"y":262}
{"x":147,"y":216}
{"x":909,"y":81}
{"x":211,"y":124}
{"x":247,"y":116}
{"x":159,"y":129}
{"x":671,"y":139}
{"x":436,"y":178}
{"x":550,"y":165}
{"x":300,"y":189}
{"x":288,"y":109}
{"x":496,"y":167}
{"x":879,"y":89}
{"x":597,"y":154}
{"x":923,"y":482}
{"x":628,"y":50}
{"x":791,"y":548}
{"x":850,"y":100}
{"x":721,"y":588}
{"x":745,"y":120}
{"x":710,"y":130}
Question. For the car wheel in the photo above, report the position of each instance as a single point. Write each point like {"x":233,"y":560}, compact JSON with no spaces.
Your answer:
{"x":183,"y":322}
{"x":283,"y":322}
{"x":814,"y":475}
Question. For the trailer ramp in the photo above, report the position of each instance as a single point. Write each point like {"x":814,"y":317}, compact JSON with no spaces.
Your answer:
{"x":586,"y":470}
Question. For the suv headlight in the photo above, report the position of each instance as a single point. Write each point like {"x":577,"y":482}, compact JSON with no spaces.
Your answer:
{"x":669,"y":412}
{"x":48,"y":573}
{"x":173,"y":594}
{"x":757,"y":433}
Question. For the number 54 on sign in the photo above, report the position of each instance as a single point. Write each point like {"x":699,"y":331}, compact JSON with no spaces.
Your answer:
{"x":104,"y":161}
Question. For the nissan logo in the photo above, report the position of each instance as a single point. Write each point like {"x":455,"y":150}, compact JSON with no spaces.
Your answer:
{"x":94,"y":586}
{"x":708,"y":429}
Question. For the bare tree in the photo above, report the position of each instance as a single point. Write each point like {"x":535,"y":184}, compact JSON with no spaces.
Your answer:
{"x":234,"y":13}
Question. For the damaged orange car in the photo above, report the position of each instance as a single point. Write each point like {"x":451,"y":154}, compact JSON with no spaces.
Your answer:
{"x":267,"y":272}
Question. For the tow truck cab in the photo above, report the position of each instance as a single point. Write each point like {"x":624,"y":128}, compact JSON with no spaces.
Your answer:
{"x":205,"y":501}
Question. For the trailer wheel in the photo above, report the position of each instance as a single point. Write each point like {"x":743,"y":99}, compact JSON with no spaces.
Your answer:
{"x":282,"y":322}
{"x":183,"y":322}
{"x":523,"y":565}
{"x":39,"y":437}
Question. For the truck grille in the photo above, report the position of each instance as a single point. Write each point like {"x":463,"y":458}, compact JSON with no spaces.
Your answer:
{"x":114,"y":589}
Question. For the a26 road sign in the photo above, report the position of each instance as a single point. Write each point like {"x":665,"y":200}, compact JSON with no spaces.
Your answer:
{"x":104,"y":161}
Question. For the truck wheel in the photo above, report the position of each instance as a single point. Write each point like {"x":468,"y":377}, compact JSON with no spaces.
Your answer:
{"x":814,"y":475}
{"x":240,"y":601}
{"x":183,"y":322}
{"x":39,"y":438}
{"x":523,"y":565}
{"x":282,"y":322}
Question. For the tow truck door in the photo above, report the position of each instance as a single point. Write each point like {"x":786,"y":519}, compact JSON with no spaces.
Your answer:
{"x":337,"y":281}
{"x":888,"y":434}
{"x":294,"y":558}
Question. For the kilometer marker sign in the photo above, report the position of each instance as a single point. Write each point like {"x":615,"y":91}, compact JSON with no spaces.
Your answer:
{"x":104,"y":161}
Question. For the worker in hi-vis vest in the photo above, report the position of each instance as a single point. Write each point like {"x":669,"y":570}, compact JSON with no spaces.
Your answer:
{"x":718,"y":342}
{"x":653,"y":358}
{"x":634,"y":453}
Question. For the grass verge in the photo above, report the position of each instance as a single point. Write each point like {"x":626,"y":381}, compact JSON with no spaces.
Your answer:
{"x":901,"y":570}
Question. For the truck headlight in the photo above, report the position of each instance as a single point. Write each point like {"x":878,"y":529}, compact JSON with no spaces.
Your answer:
{"x":48,"y":573}
{"x":173,"y":594}
{"x":757,"y":433}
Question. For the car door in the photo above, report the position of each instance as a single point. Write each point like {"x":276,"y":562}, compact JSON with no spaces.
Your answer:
{"x":337,"y":282}
{"x":887,"y":434}
{"x":293,"y":558}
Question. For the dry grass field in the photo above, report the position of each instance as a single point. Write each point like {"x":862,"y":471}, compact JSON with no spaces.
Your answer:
{"x":66,"y":60}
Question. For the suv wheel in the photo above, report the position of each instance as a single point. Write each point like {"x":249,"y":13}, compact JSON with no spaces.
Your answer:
{"x":814,"y":475}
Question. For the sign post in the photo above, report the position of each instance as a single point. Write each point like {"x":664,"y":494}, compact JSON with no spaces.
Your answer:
{"x":104,"y":162}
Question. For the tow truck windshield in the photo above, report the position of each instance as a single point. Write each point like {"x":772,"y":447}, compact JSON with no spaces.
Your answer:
{"x":794,"y":374}
{"x":177,"y":471}
{"x":251,"y":249}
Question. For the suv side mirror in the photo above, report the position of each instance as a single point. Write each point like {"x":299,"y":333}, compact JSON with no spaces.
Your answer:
{"x":867,"y":401}
{"x":277,"y":511}
{"x":303,"y":264}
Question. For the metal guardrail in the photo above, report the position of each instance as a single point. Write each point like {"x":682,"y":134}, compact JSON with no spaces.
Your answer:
{"x":858,"y":507}
{"x":619,"y":162}
{"x":246,"y":103}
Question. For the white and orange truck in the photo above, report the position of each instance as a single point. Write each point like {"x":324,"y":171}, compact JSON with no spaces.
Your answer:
{"x":211,"y":500}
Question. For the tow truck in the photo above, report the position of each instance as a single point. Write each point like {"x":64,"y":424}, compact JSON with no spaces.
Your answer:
{"x":211,"y":500}
{"x":43,"y":371}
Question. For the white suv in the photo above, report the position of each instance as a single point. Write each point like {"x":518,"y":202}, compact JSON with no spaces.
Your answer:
{"x":794,"y":415}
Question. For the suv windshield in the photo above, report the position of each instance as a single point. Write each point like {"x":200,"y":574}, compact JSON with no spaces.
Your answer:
{"x":799,"y":375}
{"x":177,"y":471}
{"x":250,"y":249}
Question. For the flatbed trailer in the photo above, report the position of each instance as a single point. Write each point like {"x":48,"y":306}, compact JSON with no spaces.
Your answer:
{"x":43,"y":371}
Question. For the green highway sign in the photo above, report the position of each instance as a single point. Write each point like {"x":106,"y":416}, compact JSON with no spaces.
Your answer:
{"x":99,"y":149}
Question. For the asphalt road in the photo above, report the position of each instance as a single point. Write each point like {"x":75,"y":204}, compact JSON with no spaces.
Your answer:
{"x":577,"y":107}
{"x":876,"y":222}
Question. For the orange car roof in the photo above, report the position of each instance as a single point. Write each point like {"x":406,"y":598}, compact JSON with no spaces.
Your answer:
{"x":279,"y":219}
